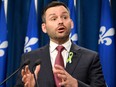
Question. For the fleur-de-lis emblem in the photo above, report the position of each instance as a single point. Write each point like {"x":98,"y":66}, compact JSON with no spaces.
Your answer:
{"x":104,"y":36}
{"x":74,"y":37}
{"x":29,"y":42}
{"x":3,"y":45}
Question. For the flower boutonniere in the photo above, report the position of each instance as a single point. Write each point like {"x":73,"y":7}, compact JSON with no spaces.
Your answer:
{"x":69,"y":59}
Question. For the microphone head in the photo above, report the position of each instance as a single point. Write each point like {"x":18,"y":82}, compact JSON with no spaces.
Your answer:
{"x":37,"y":62}
{"x":26,"y":62}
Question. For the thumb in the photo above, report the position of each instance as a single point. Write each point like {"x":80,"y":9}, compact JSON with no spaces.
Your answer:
{"x":37,"y":69}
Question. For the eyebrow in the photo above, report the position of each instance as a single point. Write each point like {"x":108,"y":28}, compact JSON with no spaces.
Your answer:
{"x":51,"y":14}
{"x":55,"y":14}
{"x":65,"y":12}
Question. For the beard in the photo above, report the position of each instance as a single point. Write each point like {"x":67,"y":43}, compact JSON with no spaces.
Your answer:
{"x":59,"y":37}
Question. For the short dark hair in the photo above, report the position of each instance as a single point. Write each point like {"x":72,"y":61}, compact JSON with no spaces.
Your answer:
{"x":52,"y":4}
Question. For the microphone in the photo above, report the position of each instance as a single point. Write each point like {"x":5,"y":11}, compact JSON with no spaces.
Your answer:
{"x":38,"y":62}
{"x":25,"y":63}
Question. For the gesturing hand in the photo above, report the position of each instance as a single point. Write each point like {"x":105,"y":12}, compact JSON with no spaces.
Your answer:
{"x":28,"y":77}
{"x":67,"y":79}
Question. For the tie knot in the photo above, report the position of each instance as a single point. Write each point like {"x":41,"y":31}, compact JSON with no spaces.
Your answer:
{"x":60,"y":48}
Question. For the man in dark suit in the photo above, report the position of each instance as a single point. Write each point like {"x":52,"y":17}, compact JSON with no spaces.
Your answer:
{"x":81,"y":67}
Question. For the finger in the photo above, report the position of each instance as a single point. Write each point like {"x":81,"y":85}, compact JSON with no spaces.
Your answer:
{"x":63,"y":83}
{"x":26,"y":84}
{"x":27,"y":69}
{"x":58,"y":71}
{"x":58,"y":67}
{"x":22,"y":72}
{"x":63,"y":77}
{"x":23,"y":75}
{"x":37,"y":69}
{"x":24,"y":78}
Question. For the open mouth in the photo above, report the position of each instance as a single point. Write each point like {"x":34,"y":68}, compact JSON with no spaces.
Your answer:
{"x":61,"y":29}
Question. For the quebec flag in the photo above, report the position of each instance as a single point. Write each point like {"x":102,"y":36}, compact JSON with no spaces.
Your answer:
{"x":107,"y":49}
{"x":3,"y":43}
{"x":31,"y":39}
{"x":73,"y":34}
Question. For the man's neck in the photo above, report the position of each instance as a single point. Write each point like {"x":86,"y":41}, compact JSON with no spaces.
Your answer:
{"x":60,"y":41}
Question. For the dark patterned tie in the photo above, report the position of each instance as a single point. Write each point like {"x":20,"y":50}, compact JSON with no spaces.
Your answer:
{"x":59,"y":61}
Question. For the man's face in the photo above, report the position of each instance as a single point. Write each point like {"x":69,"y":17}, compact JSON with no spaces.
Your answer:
{"x":58,"y":23}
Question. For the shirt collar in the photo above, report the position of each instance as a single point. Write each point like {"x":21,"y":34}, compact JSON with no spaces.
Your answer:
{"x":67,"y":45}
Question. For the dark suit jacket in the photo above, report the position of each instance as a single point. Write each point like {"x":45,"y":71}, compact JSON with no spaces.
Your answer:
{"x":85,"y":67}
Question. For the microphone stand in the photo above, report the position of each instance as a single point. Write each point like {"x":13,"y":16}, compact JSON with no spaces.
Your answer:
{"x":38,"y":62}
{"x":25,"y":63}
{"x":36,"y":82}
{"x":10,"y":76}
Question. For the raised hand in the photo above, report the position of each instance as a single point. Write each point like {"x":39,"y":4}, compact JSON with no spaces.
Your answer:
{"x":28,"y":77}
{"x":67,"y":79}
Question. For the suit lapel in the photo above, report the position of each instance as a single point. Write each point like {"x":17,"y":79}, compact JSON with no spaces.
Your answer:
{"x":47,"y":66}
{"x":70,"y":67}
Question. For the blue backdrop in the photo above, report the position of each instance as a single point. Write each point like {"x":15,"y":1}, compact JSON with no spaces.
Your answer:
{"x":88,"y":25}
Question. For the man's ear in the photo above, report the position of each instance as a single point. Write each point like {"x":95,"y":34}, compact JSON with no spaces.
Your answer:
{"x":72,"y":24}
{"x":43,"y":26}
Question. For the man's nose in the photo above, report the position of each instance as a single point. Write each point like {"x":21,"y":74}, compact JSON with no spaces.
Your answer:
{"x":60,"y":20}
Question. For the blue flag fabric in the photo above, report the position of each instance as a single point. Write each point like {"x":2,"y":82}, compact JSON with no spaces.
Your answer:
{"x":31,"y":39}
{"x":3,"y":43}
{"x":72,"y":9}
{"x":107,"y":44}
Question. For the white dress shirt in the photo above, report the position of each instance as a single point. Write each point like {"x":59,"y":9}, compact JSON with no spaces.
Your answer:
{"x":54,"y":52}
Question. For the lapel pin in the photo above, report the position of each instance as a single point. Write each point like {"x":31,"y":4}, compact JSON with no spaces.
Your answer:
{"x":69,"y":59}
